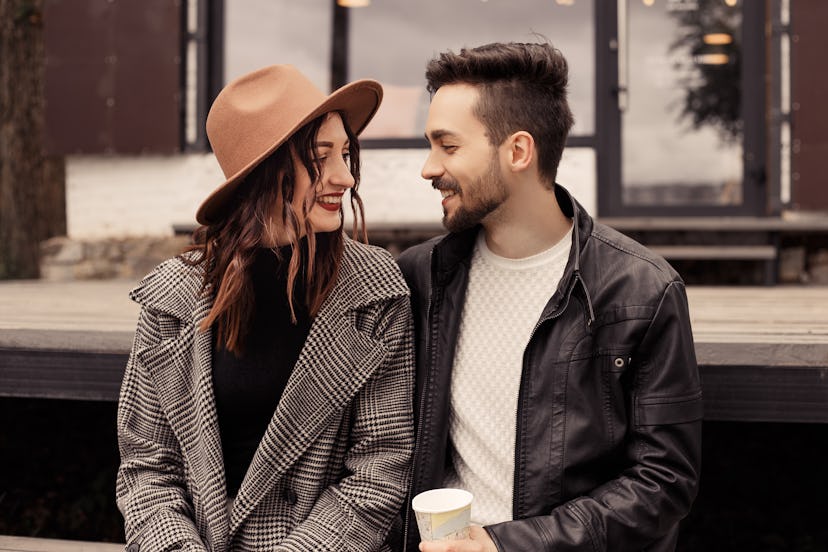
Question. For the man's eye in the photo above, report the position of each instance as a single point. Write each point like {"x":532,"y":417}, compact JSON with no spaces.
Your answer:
{"x":449,"y":148}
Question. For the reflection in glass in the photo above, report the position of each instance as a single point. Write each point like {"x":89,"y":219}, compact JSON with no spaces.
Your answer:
{"x":682,"y":132}
{"x":263,"y":32}
{"x":392,"y":41}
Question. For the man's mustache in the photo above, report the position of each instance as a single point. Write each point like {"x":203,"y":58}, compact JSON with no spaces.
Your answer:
{"x":444,"y":184}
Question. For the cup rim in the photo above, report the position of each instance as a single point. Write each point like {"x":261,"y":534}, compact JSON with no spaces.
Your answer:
{"x":463,"y":499}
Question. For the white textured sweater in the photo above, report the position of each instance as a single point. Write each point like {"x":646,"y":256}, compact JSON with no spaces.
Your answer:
{"x":504,"y":301}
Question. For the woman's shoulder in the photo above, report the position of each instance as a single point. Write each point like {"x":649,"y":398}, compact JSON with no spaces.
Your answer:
{"x":357,"y":250}
{"x":179,"y":278}
{"x":186,"y":265}
{"x":374,"y":266}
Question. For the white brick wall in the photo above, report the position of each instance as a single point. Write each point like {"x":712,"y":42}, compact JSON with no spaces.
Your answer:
{"x":115,"y":197}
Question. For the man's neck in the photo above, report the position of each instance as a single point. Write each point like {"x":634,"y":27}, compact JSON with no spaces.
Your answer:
{"x":527,"y":225}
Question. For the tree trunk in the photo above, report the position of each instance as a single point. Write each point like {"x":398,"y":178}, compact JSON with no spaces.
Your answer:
{"x":32,"y":184}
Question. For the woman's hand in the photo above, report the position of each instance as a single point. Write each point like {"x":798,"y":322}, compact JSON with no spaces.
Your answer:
{"x":478,"y":541}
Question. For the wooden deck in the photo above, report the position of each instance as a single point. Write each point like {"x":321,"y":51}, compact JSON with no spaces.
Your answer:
{"x":29,"y":544}
{"x":762,"y":351}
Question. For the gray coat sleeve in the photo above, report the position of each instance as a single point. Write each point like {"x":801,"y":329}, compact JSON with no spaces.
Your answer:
{"x":151,"y":487}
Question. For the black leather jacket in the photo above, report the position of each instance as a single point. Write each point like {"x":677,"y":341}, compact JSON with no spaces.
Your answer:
{"x":608,"y":444}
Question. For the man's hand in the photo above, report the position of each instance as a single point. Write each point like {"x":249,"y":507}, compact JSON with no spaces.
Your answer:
{"x":478,"y":541}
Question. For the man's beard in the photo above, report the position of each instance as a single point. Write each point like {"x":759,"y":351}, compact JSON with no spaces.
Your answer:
{"x":477,"y":201}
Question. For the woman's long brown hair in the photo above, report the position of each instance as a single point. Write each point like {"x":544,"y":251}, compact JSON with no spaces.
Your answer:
{"x":226,"y":249}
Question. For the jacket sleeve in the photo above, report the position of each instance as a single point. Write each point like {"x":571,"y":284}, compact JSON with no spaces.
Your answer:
{"x":646,"y":500}
{"x":356,"y":513}
{"x":150,"y":486}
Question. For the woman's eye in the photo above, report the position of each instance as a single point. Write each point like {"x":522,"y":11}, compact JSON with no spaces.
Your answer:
{"x":346,"y":157}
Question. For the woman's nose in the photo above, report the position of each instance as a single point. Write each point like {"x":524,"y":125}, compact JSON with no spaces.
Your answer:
{"x":341,"y":175}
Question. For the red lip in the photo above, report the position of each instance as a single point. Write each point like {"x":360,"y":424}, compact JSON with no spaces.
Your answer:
{"x":332,"y":207}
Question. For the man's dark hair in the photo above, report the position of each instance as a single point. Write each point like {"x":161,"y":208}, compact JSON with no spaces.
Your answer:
{"x":522,"y":87}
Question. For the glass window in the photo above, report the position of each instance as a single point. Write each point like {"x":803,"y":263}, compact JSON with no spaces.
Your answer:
{"x":682,"y":131}
{"x":392,"y":41}
{"x":268,"y":32}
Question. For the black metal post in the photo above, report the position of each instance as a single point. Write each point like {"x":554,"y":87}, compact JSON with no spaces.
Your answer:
{"x":339,"y":46}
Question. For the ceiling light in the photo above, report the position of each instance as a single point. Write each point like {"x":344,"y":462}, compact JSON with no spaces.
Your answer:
{"x":717,"y":39}
{"x":712,"y":59}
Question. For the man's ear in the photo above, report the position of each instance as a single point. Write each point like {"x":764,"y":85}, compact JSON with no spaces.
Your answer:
{"x":521,"y":151}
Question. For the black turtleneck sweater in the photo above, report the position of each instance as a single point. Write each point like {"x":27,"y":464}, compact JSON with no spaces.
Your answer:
{"x":248,"y":388}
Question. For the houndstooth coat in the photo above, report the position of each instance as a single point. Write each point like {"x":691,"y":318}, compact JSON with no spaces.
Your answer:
{"x":331,"y":471}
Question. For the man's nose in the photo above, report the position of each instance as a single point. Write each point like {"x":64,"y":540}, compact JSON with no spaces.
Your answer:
{"x":431,"y":169}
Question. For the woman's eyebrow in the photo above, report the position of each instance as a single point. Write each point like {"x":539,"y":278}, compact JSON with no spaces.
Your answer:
{"x":331,"y":144}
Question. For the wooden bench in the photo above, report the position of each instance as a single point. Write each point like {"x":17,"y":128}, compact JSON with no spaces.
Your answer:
{"x":766,"y":254}
{"x":722,"y":252}
{"x":30,"y":544}
{"x":732,"y":238}
{"x":762,"y":351}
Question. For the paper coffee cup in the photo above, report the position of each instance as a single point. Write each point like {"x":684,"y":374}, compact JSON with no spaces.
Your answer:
{"x":443,"y":514}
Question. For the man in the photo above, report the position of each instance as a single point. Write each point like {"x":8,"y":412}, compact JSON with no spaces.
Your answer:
{"x":557,"y":378}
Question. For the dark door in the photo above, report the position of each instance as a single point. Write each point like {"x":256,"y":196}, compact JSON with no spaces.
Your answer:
{"x":681,"y":103}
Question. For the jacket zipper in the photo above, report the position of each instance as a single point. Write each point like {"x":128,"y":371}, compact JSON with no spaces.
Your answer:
{"x":518,"y":426}
{"x":426,"y":387}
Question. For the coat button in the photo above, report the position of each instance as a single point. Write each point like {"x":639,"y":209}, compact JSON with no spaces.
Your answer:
{"x":619,"y":362}
{"x":290,"y":496}
{"x":133,"y":548}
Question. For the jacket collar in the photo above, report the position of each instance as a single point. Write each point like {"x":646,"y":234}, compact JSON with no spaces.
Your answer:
{"x":456,"y":249}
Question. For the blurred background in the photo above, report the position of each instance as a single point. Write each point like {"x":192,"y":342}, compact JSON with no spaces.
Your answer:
{"x":701,"y":130}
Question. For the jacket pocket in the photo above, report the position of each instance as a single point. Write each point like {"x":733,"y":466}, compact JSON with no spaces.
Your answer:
{"x":615,"y":403}
{"x":669,"y":410}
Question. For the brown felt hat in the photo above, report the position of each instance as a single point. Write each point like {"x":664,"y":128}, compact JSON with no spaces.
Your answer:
{"x":255,"y":114}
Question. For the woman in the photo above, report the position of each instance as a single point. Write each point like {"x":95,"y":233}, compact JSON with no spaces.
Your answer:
{"x":266,"y":404}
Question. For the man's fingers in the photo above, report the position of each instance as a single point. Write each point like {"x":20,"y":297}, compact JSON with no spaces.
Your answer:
{"x":451,"y":546}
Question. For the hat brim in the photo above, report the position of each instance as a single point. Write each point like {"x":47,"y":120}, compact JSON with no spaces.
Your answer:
{"x":359,"y":101}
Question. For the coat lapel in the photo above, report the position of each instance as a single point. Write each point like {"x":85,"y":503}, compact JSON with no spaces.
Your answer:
{"x":334,"y":364}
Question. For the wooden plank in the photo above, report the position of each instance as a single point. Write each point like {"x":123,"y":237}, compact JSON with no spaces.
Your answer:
{"x":762,"y":352}
{"x":714,"y":252}
{"x":101,"y":305}
{"x":76,"y":375}
{"x":795,"y":394}
{"x":752,"y":315}
{"x":30,"y":544}
{"x":101,"y":315}
{"x":802,"y":223}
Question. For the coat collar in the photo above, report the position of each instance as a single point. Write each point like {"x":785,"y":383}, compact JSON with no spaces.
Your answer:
{"x":337,"y":359}
{"x":174,"y":287}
